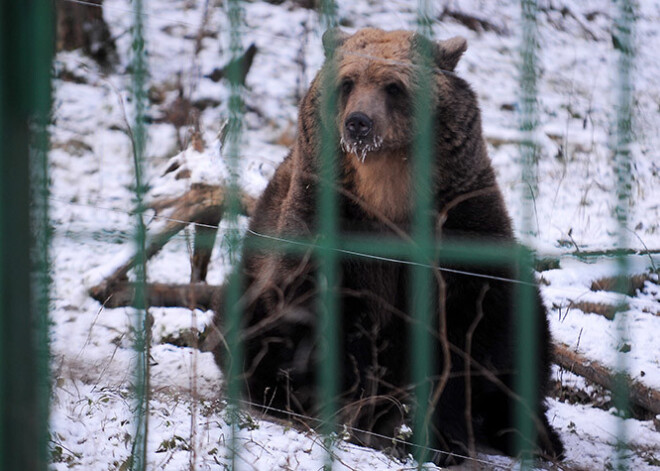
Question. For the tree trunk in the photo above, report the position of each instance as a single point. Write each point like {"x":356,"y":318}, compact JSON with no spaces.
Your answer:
{"x":82,"y":26}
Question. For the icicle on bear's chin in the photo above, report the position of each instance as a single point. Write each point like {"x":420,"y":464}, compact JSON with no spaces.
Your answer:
{"x":360,"y":148}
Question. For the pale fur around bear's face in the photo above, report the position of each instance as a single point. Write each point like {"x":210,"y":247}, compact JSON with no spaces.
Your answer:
{"x":377,"y":74}
{"x":374,"y":77}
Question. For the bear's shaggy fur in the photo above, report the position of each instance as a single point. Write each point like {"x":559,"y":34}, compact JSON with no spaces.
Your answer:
{"x":377,"y":78}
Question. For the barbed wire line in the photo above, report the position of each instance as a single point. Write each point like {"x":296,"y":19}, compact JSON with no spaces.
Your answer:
{"x":320,"y":422}
{"x":268,"y":36}
{"x":614,"y":297}
{"x":132,"y":213}
{"x":313,"y":246}
{"x":393,"y":260}
{"x":130,"y":10}
{"x":181,"y":22}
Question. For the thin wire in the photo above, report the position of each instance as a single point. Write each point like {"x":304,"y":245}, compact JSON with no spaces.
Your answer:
{"x":367,"y":432}
{"x":311,"y":246}
{"x":129,"y":10}
{"x":394,"y":260}
{"x":263,"y":34}
{"x":131,"y":213}
{"x":347,"y":252}
{"x":172,"y":20}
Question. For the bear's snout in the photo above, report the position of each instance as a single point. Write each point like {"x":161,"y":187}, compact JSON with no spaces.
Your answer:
{"x":358,"y":125}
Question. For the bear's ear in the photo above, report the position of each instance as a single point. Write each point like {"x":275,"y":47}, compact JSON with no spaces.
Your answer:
{"x":333,"y":39}
{"x":450,"y":51}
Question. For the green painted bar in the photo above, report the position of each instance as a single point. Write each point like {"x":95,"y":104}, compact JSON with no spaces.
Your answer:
{"x":459,"y":251}
{"x":328,"y":330}
{"x":141,"y":319}
{"x":26,"y":48}
{"x":3,"y":157}
{"x":233,"y":310}
{"x":421,"y":288}
{"x":492,"y":254}
{"x":623,"y":38}
{"x":526,"y":325}
{"x":526,"y":346}
{"x":42,"y":58}
{"x":477,"y":253}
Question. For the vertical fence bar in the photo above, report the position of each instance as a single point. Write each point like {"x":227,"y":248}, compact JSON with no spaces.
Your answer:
{"x":421,"y":286}
{"x":328,"y":329}
{"x":3,"y":155}
{"x":42,"y":57}
{"x":623,"y":38}
{"x":141,"y":323}
{"x":526,"y":320}
{"x":233,"y":310}
{"x":26,"y":47}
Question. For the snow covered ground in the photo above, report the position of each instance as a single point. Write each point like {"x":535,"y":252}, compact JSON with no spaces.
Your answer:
{"x":92,"y":177}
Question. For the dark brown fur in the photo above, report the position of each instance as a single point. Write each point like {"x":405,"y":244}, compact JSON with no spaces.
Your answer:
{"x":377,"y":77}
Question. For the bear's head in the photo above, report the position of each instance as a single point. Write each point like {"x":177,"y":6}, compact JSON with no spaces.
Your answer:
{"x":377,"y":76}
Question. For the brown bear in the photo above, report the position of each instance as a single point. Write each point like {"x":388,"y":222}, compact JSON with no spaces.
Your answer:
{"x":376,"y":81}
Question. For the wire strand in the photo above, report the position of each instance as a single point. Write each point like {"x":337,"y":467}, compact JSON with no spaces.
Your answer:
{"x":393,"y":260}
{"x":130,"y":10}
{"x":307,"y":418}
{"x":264,"y":34}
{"x":311,"y":246}
{"x":614,"y":297}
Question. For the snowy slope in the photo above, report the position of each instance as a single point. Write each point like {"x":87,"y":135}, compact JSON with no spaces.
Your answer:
{"x":92,"y":177}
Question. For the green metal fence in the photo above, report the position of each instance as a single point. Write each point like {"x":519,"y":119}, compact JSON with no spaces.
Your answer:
{"x":24,"y":114}
{"x":24,"y":232}
{"x":141,"y":327}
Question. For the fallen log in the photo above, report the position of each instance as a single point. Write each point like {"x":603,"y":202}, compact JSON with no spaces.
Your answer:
{"x":638,"y":393}
{"x":200,"y":205}
{"x":191,"y":296}
{"x":203,"y":296}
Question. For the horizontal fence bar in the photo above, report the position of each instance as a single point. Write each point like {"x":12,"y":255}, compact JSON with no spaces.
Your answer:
{"x":117,"y":235}
{"x":476,"y":253}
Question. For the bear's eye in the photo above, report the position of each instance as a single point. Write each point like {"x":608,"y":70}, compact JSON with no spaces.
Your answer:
{"x":346,"y":86}
{"x":394,"y":90}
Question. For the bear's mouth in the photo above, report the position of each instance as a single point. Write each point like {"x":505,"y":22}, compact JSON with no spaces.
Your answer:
{"x":361,"y":147}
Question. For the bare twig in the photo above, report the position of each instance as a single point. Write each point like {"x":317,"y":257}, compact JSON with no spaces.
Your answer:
{"x":472,"y":450}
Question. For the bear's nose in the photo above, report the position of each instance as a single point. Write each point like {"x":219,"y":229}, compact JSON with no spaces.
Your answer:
{"x":358,"y":125}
